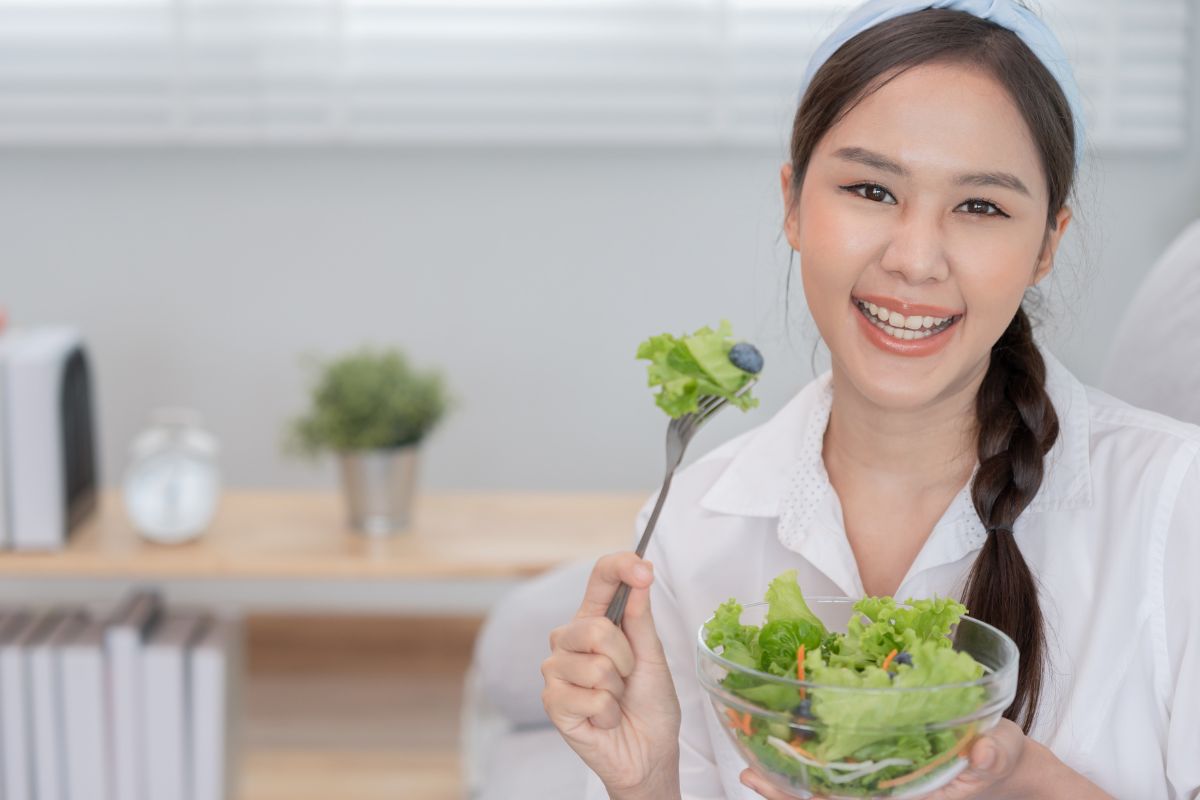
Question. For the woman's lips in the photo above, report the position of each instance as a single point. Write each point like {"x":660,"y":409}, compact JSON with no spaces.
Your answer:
{"x":904,"y":342}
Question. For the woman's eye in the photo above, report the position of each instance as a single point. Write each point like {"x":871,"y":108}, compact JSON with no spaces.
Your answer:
{"x":980,"y":207}
{"x":977,"y":207}
{"x":873,"y":191}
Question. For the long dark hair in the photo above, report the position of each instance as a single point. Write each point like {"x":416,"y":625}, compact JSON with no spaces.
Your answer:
{"x":1017,"y":423}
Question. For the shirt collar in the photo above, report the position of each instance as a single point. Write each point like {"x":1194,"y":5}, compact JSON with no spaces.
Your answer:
{"x":754,"y":482}
{"x":1067,"y":481}
{"x":781,"y":462}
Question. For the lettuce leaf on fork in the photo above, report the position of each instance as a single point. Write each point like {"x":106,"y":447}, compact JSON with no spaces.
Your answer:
{"x":690,"y":367}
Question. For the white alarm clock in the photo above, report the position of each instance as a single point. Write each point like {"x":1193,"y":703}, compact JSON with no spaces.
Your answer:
{"x":172,"y":484}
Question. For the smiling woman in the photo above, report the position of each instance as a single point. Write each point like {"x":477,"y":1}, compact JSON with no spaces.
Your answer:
{"x":964,"y":105}
{"x":945,"y":452}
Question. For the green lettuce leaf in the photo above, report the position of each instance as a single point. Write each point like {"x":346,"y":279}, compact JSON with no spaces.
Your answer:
{"x":738,"y":642}
{"x":690,"y":367}
{"x":774,"y":696}
{"x":786,"y":601}
{"x":881,"y":626}
{"x":928,"y":618}
{"x":856,"y":720}
{"x":780,"y":640}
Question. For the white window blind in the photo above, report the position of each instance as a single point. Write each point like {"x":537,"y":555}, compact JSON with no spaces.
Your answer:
{"x":497,"y":71}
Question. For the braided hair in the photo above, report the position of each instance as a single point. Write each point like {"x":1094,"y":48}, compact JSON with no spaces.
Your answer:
{"x":1017,"y":427}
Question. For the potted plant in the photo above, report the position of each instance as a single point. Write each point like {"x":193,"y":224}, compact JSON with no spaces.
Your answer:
{"x":372,"y":409}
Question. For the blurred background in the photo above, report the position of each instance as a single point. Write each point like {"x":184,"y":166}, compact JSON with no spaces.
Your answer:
{"x":515,"y":193}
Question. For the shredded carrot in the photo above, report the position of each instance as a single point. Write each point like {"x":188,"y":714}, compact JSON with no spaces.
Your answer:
{"x":740,"y":723}
{"x":932,"y":765}
{"x":800,"y":668}
{"x":795,"y":746}
{"x":887,"y":661}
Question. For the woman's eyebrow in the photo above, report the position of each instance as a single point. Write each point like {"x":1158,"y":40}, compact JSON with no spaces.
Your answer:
{"x":870,"y":158}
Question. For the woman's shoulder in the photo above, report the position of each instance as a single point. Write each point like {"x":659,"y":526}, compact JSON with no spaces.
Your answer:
{"x":1106,"y":443}
{"x":1114,"y":422}
{"x":1127,"y":464}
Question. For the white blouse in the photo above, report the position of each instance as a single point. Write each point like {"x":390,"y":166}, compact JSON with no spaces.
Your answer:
{"x":1112,"y":536}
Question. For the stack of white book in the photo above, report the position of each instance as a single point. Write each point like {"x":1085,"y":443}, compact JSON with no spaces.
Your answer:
{"x":133,"y":705}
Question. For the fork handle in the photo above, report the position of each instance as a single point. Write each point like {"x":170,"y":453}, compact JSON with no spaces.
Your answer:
{"x":616,"y":607}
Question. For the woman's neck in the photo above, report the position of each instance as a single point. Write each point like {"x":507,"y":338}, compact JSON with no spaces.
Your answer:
{"x":926,"y":449}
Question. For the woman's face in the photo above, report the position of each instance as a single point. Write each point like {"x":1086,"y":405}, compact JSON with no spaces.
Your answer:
{"x":928,"y":201}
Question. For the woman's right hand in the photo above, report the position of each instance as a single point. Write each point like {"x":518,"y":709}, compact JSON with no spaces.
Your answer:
{"x":608,"y":689}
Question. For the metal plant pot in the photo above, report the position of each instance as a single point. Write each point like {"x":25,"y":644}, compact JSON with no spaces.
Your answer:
{"x":379,"y":486}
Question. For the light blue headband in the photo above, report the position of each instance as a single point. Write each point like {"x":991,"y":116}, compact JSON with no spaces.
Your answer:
{"x":1006,"y":13}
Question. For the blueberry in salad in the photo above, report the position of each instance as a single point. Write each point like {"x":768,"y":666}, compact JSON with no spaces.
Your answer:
{"x":707,"y":362}
{"x":803,"y":709}
{"x":849,"y":743}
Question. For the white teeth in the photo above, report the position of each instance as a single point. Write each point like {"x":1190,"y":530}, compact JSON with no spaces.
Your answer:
{"x":897,"y":320}
{"x":897,"y":325}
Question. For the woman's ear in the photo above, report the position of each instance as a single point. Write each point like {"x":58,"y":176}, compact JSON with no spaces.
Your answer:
{"x":1046,"y":260}
{"x":791,"y":226}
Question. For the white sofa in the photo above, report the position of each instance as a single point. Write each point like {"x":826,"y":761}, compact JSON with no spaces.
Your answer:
{"x":510,"y":749}
{"x":1154,"y":359}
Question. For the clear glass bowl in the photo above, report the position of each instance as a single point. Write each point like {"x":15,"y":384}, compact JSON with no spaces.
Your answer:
{"x":774,"y":742}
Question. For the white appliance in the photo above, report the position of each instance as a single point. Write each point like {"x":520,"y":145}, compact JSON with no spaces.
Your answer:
{"x":47,"y":443}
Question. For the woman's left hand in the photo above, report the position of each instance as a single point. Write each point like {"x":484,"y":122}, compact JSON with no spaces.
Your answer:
{"x":994,"y":761}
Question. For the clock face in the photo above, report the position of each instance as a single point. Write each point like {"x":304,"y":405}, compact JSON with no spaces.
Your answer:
{"x":172,"y":495}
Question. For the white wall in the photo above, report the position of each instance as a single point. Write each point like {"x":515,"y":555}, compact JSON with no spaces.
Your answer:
{"x":200,"y":276}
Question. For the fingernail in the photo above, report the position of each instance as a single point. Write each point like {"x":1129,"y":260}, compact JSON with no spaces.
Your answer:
{"x":988,"y":758}
{"x":642,"y":572}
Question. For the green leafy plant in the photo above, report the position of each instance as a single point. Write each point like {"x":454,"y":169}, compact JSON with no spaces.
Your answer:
{"x":370,"y":399}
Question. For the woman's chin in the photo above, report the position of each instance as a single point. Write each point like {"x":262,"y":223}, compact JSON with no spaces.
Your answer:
{"x":905,"y":384}
{"x":897,"y":383}
{"x":910,"y":398}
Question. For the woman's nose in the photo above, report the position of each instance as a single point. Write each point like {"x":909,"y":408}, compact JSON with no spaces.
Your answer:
{"x":916,"y":249}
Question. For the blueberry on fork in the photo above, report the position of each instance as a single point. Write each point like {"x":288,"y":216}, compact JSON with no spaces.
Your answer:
{"x":746,"y":357}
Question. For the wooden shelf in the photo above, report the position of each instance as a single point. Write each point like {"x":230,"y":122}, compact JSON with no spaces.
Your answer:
{"x":360,"y":710}
{"x":304,"y":535}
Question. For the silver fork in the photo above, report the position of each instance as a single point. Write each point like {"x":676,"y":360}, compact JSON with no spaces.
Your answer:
{"x":679,"y":433}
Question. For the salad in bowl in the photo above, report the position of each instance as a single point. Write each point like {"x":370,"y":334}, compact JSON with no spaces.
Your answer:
{"x":852,"y":699}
